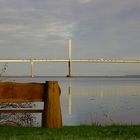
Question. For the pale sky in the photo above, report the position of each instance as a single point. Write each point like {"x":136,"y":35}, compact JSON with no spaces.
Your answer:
{"x":98,"y":29}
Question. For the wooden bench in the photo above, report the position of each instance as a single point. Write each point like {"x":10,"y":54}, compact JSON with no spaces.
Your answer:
{"x":48,"y":92}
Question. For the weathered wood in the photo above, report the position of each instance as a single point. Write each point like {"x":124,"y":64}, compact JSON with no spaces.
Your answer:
{"x":21,"y":92}
{"x":49,"y":93}
{"x":21,"y":110}
{"x":52,"y":117}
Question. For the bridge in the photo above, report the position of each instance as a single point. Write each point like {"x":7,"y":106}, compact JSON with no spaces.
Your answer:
{"x":69,"y":61}
{"x":72,"y":60}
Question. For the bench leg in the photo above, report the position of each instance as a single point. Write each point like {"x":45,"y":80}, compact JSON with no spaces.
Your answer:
{"x":52,"y":116}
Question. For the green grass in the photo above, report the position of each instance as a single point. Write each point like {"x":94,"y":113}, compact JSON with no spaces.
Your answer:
{"x":94,"y":132}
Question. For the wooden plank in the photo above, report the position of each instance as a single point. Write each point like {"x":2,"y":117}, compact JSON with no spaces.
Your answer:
{"x":21,"y":110}
{"x":11,"y":100}
{"x":21,"y":92}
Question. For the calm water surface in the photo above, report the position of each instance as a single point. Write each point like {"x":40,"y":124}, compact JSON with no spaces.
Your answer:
{"x":96,"y":100}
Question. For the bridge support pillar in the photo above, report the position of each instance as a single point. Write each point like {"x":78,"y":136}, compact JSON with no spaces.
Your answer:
{"x":69,"y":69}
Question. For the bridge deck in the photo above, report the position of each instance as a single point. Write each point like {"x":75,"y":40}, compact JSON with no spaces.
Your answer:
{"x":72,"y":60}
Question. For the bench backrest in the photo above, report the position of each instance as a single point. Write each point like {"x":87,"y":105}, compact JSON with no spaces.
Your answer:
{"x":48,"y":92}
{"x":22,"y":92}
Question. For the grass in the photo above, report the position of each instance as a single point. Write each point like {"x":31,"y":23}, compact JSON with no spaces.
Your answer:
{"x":95,"y":132}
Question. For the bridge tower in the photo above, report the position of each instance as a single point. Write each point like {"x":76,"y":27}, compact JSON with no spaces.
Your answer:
{"x":69,"y":62}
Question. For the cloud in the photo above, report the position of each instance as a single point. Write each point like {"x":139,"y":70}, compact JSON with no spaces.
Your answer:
{"x":99,"y":28}
{"x":10,"y":28}
{"x":45,"y":20}
{"x":35,"y":20}
{"x":85,"y":1}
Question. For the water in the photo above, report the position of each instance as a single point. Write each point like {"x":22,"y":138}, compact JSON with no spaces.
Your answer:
{"x":96,"y":100}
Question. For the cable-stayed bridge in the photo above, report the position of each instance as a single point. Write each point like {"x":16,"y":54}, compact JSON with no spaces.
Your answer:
{"x":69,"y":61}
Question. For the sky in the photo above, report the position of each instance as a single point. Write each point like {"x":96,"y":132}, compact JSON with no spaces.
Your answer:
{"x":108,"y":29}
